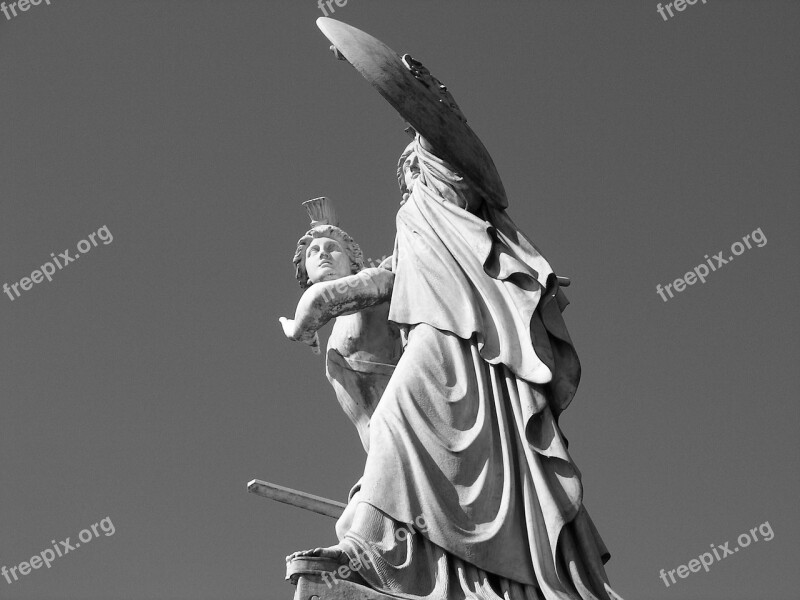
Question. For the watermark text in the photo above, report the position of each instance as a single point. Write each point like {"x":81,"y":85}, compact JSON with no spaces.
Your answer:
{"x":48,"y":269}
{"x":10,"y":9}
{"x":59,"y":549}
{"x":679,"y":5}
{"x":329,"y":3}
{"x":702,"y":271}
{"x":363,"y":560}
{"x":706,"y":559}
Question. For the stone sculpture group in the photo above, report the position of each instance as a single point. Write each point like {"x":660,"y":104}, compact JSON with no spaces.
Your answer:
{"x":454,"y":363}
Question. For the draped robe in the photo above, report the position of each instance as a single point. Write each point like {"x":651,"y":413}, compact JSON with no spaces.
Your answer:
{"x":466,"y":458}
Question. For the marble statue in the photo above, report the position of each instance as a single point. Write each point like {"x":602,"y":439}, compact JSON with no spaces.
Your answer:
{"x":468,"y":488}
{"x":364,"y":346}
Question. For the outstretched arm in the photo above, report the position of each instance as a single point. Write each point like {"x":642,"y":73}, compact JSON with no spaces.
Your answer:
{"x":326,"y":300}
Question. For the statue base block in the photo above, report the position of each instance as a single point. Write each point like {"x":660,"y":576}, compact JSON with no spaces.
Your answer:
{"x":316,"y":579}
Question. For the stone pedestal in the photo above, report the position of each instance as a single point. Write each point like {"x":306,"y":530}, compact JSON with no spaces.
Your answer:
{"x":316,"y":579}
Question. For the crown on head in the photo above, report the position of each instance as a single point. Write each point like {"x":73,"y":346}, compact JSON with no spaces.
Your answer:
{"x":321,"y":212}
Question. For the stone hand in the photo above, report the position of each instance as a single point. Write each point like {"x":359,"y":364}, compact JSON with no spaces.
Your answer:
{"x":334,"y":552}
{"x":290,"y":330}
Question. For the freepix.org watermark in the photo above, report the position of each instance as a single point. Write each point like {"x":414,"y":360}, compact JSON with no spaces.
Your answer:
{"x":679,"y":5}
{"x":362,"y":278}
{"x":59,"y":549}
{"x":363,"y":561}
{"x":706,"y":559}
{"x":703,"y":270}
{"x":329,"y":3}
{"x":48,"y":269}
{"x":10,"y":9}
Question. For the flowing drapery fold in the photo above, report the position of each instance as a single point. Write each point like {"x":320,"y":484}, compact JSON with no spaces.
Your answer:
{"x":466,"y":434}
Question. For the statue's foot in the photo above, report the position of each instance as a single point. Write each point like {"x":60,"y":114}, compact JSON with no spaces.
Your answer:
{"x":332,"y":552}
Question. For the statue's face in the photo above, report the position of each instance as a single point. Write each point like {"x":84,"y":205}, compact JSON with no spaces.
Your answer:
{"x":326,"y":260}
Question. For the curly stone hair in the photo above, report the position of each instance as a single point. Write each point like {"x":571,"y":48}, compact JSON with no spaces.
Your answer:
{"x":352,"y":250}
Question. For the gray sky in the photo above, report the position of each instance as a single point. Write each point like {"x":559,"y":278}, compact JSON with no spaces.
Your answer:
{"x":149,"y":380}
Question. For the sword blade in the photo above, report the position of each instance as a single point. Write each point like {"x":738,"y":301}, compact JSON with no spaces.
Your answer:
{"x":317,"y":504}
